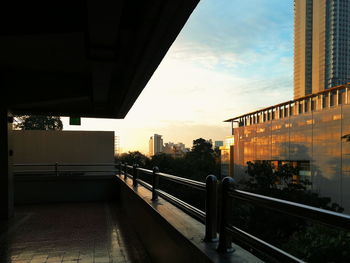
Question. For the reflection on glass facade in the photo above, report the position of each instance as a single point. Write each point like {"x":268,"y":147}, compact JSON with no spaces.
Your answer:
{"x":226,"y":157}
{"x":310,"y":132}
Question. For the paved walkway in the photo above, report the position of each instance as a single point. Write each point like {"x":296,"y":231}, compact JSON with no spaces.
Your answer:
{"x":71,"y":233}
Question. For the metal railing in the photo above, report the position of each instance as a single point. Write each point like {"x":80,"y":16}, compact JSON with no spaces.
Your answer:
{"x":228,"y":232}
{"x":58,"y":169}
{"x":209,"y":217}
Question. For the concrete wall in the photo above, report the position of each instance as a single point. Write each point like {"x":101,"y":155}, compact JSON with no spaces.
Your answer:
{"x":57,"y":189}
{"x":34,"y":146}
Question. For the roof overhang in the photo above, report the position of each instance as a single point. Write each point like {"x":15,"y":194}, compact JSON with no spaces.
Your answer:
{"x":85,"y":58}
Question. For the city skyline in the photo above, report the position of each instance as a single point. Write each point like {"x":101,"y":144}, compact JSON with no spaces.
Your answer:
{"x":209,"y":75}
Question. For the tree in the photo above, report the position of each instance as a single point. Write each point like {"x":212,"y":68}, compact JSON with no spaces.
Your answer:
{"x":307,"y":240}
{"x":132,"y":158}
{"x":36,"y":122}
{"x":196,"y":165}
{"x":202,"y":147}
{"x":201,"y":160}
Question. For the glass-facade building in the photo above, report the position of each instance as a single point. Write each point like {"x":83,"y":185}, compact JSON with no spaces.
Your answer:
{"x":321,"y":45}
{"x":310,"y":132}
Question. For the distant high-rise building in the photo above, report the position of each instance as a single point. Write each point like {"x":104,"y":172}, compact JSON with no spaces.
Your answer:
{"x":175,"y":149}
{"x":116,"y":145}
{"x":155,"y":144}
{"x":321,"y":49}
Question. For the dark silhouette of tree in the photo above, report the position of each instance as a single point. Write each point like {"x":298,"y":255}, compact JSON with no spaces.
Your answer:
{"x":307,"y":240}
{"x":201,"y":160}
{"x":36,"y":122}
{"x":202,"y":147}
{"x":134,"y":158}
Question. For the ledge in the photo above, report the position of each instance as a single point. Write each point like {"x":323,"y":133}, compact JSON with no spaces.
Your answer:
{"x":169,"y":234}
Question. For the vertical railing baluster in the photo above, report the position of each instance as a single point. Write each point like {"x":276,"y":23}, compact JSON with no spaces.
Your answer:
{"x":211,"y":209}
{"x":135,"y":172}
{"x":155,"y":183}
{"x":225,"y":239}
{"x":120,"y":168}
{"x":56,"y":169}
{"x":125,"y":171}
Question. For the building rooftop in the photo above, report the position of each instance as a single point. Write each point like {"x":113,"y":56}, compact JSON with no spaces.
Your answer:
{"x":320,"y":100}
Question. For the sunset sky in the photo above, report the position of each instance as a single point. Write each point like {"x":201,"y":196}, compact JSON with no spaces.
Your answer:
{"x":231,"y":57}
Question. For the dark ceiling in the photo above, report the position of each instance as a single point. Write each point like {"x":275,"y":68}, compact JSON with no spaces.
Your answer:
{"x":83,"y":58}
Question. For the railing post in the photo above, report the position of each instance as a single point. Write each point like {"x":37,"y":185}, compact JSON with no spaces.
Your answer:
{"x":125,"y":171}
{"x":211,"y":209}
{"x":56,"y":168}
{"x":135,"y":174}
{"x":155,"y":183}
{"x":225,"y":239}
{"x":120,"y":168}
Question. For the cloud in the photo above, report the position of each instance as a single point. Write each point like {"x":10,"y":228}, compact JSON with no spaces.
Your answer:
{"x":237,"y":36}
{"x":205,"y":56}
{"x":232,"y":57}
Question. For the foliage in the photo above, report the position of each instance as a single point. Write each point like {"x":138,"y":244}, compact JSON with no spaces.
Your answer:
{"x":197,"y":164}
{"x":295,"y":235}
{"x":133,"y":158}
{"x":36,"y":122}
{"x":319,"y":243}
{"x":202,"y":160}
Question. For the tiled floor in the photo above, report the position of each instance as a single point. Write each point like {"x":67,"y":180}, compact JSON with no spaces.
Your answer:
{"x":71,"y":233}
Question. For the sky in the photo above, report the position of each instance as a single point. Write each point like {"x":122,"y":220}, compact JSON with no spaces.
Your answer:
{"x":231,"y":57}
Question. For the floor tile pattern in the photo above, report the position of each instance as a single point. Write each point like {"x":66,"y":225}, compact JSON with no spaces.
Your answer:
{"x":71,"y":233}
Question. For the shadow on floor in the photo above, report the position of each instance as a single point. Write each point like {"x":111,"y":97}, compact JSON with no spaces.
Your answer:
{"x":72,"y":232}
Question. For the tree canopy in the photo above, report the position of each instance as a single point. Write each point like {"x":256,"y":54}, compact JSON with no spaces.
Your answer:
{"x":37,"y":122}
{"x":307,"y":240}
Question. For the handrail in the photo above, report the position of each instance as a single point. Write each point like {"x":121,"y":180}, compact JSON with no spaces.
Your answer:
{"x":177,"y":179}
{"x":245,"y":239}
{"x":63,"y":171}
{"x":228,"y":232}
{"x":57,"y":171}
{"x":146,"y":171}
{"x":144,"y":184}
{"x":296,"y":209}
{"x":184,"y":181}
{"x":193,"y":211}
{"x":63,"y":164}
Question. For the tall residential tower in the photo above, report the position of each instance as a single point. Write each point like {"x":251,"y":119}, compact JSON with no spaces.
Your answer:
{"x":321,"y":45}
{"x":155,"y":144}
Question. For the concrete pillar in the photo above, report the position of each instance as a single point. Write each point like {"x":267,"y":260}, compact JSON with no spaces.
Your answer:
{"x":6,"y":176}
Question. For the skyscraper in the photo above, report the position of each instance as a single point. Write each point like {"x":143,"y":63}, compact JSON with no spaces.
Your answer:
{"x":321,"y":45}
{"x":155,"y":144}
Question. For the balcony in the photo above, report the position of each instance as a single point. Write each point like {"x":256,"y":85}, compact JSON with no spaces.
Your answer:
{"x":104,"y":218}
{"x":93,"y":59}
{"x":126,"y":217}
